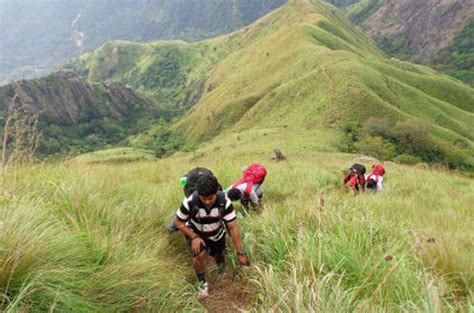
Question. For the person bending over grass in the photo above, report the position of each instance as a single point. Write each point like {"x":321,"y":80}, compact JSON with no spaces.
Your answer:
{"x":248,"y":189}
{"x":238,"y":193}
{"x":356,"y":178}
{"x":375,"y":178}
{"x":204,"y":217}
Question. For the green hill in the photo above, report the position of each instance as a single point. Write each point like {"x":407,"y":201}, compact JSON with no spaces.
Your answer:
{"x":302,"y":68}
{"x":172,"y":73}
{"x":312,"y":72}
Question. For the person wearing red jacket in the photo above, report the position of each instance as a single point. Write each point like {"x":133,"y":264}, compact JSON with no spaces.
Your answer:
{"x":355,"y":178}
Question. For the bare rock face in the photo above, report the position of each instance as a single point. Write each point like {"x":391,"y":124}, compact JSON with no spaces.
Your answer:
{"x":64,"y":98}
{"x":430,"y":25}
{"x":74,"y":116}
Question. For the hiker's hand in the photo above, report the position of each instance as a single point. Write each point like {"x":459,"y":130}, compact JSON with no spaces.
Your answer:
{"x":196,"y":245}
{"x":243,"y":260}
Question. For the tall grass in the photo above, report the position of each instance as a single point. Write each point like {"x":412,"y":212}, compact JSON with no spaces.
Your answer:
{"x":90,"y":236}
{"x":81,"y":239}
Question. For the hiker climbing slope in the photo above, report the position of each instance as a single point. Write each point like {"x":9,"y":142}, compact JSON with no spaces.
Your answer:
{"x":248,"y":189}
{"x":205,"y":217}
{"x":189,"y":183}
{"x":355,"y":177}
{"x":375,"y":179}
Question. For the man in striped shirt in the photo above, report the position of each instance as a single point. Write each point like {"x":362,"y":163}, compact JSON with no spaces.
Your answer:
{"x":203,"y":218}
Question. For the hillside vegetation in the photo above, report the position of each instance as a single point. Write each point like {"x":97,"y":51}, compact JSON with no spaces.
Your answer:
{"x":458,"y":59}
{"x":302,"y":68}
{"x":73,"y":116}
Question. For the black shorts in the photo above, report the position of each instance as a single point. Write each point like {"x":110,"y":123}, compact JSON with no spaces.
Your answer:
{"x":215,"y":248}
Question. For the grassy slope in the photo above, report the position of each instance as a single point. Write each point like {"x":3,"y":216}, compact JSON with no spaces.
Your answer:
{"x":90,"y":235}
{"x":301,"y":68}
{"x":312,"y":71}
{"x":170,"y":72}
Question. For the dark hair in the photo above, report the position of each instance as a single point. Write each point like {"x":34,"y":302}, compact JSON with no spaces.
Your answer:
{"x":371,"y":184}
{"x":234,"y":194}
{"x":207,"y":185}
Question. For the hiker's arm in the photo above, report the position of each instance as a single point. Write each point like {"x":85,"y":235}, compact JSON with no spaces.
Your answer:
{"x":182,"y":215}
{"x":229,"y":220}
{"x":185,"y":229}
{"x":234,"y":234}
{"x":196,"y":241}
{"x":380,"y":184}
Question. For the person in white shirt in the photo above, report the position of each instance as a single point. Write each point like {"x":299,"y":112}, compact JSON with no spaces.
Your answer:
{"x":238,"y":192}
{"x":374,"y":181}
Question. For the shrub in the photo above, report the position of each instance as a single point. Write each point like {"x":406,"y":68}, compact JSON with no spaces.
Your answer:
{"x":408,"y":159}
{"x":413,"y":137}
{"x":377,"y":147}
{"x":378,"y":127}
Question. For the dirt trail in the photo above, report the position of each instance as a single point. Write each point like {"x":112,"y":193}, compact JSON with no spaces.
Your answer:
{"x":227,"y":293}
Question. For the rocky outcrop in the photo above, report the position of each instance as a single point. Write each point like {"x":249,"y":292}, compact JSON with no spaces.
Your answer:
{"x":64,"y":98}
{"x":428,"y":25}
{"x":74,"y":116}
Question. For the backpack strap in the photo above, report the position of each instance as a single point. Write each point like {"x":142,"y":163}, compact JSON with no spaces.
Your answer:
{"x":194,"y":205}
{"x":239,"y":182}
{"x":221,"y":202}
{"x":248,"y":189}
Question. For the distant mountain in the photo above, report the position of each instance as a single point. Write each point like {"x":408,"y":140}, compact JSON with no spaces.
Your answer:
{"x":302,"y":70}
{"x":435,"y":32}
{"x":37,"y":36}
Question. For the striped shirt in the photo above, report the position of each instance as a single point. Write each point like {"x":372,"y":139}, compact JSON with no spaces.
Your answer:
{"x":204,"y":222}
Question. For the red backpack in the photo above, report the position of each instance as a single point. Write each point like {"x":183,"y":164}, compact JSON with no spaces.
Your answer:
{"x":253,"y":174}
{"x":378,"y":169}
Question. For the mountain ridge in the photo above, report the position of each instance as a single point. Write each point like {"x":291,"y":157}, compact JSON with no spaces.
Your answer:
{"x":259,"y":84}
{"x":301,"y":68}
